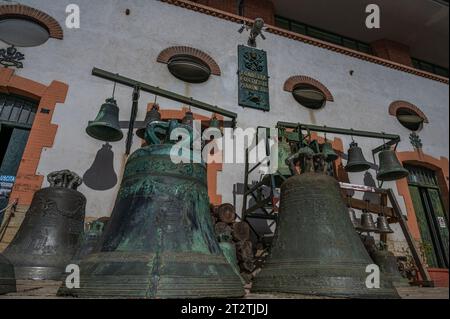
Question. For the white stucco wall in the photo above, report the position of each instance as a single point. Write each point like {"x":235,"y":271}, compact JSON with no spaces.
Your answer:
{"x":129,"y":45}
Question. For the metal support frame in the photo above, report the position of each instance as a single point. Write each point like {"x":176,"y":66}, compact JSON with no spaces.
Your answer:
{"x":144,"y":87}
{"x":392,"y":139}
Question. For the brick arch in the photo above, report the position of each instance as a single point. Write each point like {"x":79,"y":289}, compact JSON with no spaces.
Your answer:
{"x":29,"y":13}
{"x":395,"y":106}
{"x":293,"y":81}
{"x":168,"y":53}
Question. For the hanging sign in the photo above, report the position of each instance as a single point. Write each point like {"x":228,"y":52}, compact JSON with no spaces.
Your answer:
{"x":6,"y":185}
{"x":253,"y":78}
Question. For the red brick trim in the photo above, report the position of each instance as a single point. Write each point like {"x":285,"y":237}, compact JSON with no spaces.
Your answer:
{"x":168,"y":53}
{"x":22,"y":11}
{"x":395,"y":106}
{"x":42,"y":133}
{"x":303,"y":38}
{"x":293,"y":81}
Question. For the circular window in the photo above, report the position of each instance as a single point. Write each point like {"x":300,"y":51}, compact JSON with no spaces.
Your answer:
{"x":189,"y":68}
{"x":409,"y":119}
{"x":309,"y":96}
{"x":22,"y":32}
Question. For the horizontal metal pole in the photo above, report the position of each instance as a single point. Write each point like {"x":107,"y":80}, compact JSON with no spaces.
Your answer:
{"x":163,"y":93}
{"x":334,"y":130}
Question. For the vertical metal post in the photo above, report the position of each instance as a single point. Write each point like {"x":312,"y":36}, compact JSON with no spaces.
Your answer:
{"x":134,"y":109}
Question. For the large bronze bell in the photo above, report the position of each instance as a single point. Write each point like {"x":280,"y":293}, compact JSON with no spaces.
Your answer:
{"x":7,"y":277}
{"x":387,"y":262}
{"x":152,"y":116}
{"x":106,"y":125}
{"x":49,"y":235}
{"x":390,"y":167}
{"x":356,"y":161}
{"x":159,"y":242}
{"x":316,"y":250}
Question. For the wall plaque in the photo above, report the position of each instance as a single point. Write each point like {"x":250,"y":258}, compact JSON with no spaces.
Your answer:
{"x":253,"y":78}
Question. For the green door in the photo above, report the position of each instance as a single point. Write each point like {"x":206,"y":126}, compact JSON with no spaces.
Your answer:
{"x":431,"y":216}
{"x":16,"y":118}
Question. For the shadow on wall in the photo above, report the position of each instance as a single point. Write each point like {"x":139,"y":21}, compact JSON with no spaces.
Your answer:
{"x":371,"y":197}
{"x":101,"y":175}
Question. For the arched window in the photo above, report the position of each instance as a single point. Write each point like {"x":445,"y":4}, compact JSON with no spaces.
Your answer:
{"x":408,"y":115}
{"x":308,"y":92}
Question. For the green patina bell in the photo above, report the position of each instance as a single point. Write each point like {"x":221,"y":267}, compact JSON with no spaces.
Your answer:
{"x":316,"y":250}
{"x":390,"y":167}
{"x":106,"y":125}
{"x":284,"y":151}
{"x":329,"y":153}
{"x":152,"y":116}
{"x":356,"y":162}
{"x":159,"y":242}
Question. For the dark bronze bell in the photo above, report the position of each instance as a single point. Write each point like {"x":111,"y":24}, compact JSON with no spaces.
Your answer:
{"x":315,"y":249}
{"x":367,"y":223}
{"x":188,"y":119}
{"x":329,"y":153}
{"x":160,"y":241}
{"x":49,"y":235}
{"x":387,"y":262}
{"x":390,"y":167}
{"x":383,"y":226}
{"x":355,"y":220}
{"x":89,"y":240}
{"x":152,"y":116}
{"x":356,"y":161}
{"x":106,"y":126}
{"x":7,"y":277}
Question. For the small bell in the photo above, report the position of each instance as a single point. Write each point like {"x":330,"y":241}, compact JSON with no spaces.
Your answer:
{"x":356,"y":161}
{"x":328,"y":151}
{"x":188,"y":119}
{"x":214,"y":123}
{"x":367,"y":223}
{"x":390,"y":167}
{"x":152,"y":116}
{"x":106,"y":125}
{"x":383,"y":226}
{"x":355,"y":220}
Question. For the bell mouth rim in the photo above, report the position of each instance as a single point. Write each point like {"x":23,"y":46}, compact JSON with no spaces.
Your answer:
{"x":116,"y":137}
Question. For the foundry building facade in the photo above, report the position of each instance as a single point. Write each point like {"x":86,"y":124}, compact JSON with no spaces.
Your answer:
{"x":318,"y":71}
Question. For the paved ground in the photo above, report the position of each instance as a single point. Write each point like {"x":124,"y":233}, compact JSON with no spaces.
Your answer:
{"x":48,"y":289}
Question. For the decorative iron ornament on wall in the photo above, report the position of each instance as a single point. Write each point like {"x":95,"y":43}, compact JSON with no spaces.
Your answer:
{"x":10,"y":57}
{"x":415,"y":140}
{"x":253,"y":78}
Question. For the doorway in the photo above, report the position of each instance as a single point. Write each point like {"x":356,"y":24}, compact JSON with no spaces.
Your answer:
{"x":431,"y":216}
{"x":16,"y":119}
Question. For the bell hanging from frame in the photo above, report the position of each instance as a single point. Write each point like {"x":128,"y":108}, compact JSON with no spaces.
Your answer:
{"x":151,"y":116}
{"x":367,"y":223}
{"x":356,"y":161}
{"x":390,"y":167}
{"x":328,"y":151}
{"x":106,"y":126}
{"x":383,"y":226}
{"x":355,"y":220}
